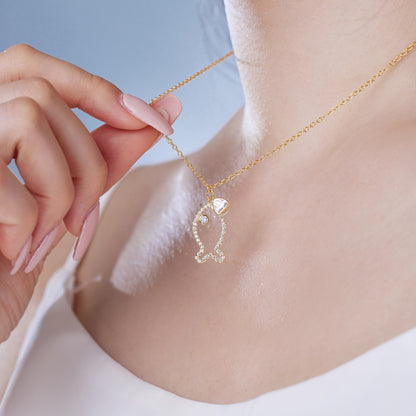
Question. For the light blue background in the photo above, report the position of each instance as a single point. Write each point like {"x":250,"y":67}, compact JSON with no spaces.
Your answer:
{"x":144,"y":47}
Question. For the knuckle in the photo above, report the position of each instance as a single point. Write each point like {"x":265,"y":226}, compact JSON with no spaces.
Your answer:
{"x":28,"y":112}
{"x":89,"y":82}
{"x":95,"y":81}
{"x":92,"y":83}
{"x":42,"y":89}
{"x":21,"y":49}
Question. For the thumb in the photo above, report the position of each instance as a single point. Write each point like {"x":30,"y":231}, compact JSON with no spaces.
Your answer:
{"x":122,"y":148}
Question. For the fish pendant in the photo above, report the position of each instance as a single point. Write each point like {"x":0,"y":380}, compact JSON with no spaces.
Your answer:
{"x":219,"y":207}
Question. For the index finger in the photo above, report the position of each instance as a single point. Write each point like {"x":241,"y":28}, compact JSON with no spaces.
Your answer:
{"x":79,"y":88}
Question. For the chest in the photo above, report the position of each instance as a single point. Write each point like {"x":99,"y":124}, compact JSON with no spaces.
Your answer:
{"x":328,"y":276}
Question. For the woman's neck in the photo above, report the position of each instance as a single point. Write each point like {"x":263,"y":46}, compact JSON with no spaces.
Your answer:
{"x":297,"y":59}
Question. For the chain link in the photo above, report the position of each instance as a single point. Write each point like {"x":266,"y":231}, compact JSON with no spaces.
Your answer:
{"x":211,"y":187}
{"x":197,"y":74}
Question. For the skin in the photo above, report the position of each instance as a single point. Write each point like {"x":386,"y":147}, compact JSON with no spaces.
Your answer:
{"x":320,"y":244}
{"x":39,"y":130}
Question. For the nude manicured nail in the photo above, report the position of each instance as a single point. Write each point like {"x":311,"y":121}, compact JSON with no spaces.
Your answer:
{"x":20,"y":259}
{"x":145,"y":112}
{"x":87,"y":232}
{"x":42,"y":250}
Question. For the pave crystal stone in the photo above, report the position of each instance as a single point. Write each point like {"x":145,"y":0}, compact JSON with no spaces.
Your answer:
{"x":203,"y":219}
{"x":220,"y":205}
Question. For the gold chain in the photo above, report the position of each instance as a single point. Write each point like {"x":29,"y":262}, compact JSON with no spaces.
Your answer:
{"x":211,"y":187}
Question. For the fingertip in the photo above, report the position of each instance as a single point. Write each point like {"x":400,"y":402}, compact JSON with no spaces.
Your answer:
{"x":171,"y":104}
{"x":144,"y":112}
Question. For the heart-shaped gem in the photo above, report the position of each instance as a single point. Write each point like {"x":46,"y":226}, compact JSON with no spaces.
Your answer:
{"x":220,"y":205}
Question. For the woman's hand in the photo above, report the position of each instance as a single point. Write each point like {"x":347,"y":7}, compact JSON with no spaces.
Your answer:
{"x":65,"y":168}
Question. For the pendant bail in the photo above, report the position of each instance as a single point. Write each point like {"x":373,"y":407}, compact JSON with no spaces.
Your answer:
{"x":210,"y":193}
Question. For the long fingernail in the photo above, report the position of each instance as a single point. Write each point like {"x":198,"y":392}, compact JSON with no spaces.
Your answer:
{"x":143,"y":111}
{"x":88,"y":227}
{"x":17,"y":263}
{"x":42,"y":250}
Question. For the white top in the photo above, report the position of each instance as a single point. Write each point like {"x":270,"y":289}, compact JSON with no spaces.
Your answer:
{"x":62,"y":371}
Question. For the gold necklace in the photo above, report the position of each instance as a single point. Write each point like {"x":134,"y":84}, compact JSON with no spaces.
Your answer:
{"x":220,"y":206}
